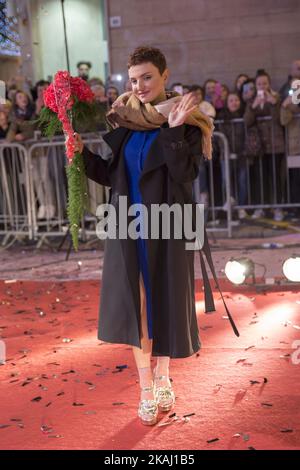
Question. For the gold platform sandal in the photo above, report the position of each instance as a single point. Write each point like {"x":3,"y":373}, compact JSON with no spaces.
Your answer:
{"x":164,"y":394}
{"x":148,"y":409}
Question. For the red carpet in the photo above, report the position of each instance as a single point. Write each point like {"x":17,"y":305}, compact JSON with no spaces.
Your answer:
{"x":70,"y":395}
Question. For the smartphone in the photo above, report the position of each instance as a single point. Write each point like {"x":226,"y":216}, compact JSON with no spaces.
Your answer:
{"x":260,"y":93}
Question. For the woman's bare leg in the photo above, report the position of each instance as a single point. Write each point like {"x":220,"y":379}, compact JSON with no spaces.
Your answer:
{"x":142,"y":355}
{"x":162,"y":369}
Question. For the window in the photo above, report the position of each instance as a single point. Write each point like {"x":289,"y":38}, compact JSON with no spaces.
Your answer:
{"x":9,"y":36}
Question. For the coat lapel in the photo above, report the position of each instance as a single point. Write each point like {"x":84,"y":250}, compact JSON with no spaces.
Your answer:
{"x":116,"y":138}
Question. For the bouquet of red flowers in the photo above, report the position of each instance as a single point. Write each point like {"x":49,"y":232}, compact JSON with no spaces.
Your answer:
{"x":69,"y":99}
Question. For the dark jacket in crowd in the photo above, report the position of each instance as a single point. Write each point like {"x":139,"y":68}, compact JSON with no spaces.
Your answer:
{"x":3,"y":133}
{"x":290,"y":118}
{"x":284,"y":90}
{"x":22,"y":122}
{"x":269,"y":130}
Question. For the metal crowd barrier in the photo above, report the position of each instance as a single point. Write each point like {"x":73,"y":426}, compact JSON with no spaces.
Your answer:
{"x":33,"y":190}
{"x":290,"y":162}
{"x":15,"y":197}
{"x":33,"y":187}
{"x":55,"y":223}
{"x":213,"y":207}
{"x":292,"y":151}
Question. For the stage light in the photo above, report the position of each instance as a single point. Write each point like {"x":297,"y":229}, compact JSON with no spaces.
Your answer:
{"x":116,"y":77}
{"x":238,"y":270}
{"x":291,"y":268}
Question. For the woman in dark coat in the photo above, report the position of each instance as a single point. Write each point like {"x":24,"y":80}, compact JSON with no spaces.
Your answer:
{"x":231,"y":124}
{"x":152,"y":157}
{"x":269,"y":174}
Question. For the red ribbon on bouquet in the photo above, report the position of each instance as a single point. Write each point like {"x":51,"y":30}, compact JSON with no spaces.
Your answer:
{"x":60,"y":97}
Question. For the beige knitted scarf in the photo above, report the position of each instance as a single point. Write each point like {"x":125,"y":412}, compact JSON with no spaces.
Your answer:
{"x":129,"y":112}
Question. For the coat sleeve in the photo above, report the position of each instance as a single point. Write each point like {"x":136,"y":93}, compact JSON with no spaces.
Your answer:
{"x":96,"y":167}
{"x":12,"y":131}
{"x":275,"y":112}
{"x":286,"y":116}
{"x":250,"y":115}
{"x":182,"y":152}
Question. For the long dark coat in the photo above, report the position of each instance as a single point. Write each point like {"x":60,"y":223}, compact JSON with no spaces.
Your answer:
{"x":170,"y":167}
{"x":270,"y":131}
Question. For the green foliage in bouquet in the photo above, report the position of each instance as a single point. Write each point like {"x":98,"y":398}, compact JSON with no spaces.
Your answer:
{"x":49,"y":123}
{"x":81,"y":112}
{"x":78,"y":201}
{"x":77,"y":195}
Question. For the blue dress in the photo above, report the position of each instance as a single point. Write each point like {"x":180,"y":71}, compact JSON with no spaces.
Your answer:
{"x":136,"y":151}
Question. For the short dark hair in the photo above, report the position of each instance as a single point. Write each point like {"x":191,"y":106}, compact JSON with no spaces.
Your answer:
{"x":196,"y":87}
{"x":209,"y":80}
{"x":176,"y":84}
{"x":84,"y":62}
{"x":250,"y":80}
{"x":112,"y":87}
{"x":144,"y":54}
{"x":241,"y":75}
{"x":262,"y":73}
{"x":95,"y":81}
{"x":42,"y":83}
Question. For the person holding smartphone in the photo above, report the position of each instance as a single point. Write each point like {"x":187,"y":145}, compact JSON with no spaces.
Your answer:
{"x":267,"y":187}
{"x":290,"y":119}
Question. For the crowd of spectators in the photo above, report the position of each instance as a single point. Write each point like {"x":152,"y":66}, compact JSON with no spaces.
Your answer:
{"x":254,"y":117}
{"x":255,"y":143}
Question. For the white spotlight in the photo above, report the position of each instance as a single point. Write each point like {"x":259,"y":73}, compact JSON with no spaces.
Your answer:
{"x":237,"y":270}
{"x":116,"y":77}
{"x":291,"y":268}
